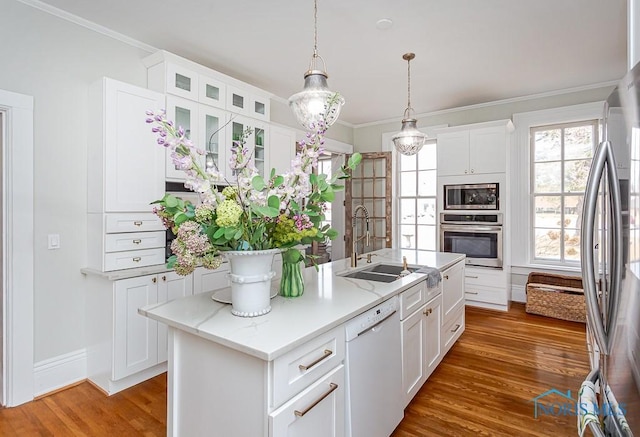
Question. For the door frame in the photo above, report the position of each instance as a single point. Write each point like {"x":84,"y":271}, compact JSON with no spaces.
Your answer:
{"x":17,"y":248}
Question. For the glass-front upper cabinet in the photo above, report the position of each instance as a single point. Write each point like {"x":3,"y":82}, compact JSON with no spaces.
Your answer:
{"x":182,"y":82}
{"x":212,"y":92}
{"x":212,"y":137}
{"x":184,"y":113}
{"x":256,"y":143}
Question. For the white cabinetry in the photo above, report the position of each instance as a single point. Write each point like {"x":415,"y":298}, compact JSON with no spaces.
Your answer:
{"x":256,"y":142}
{"x":123,"y":347}
{"x":125,"y":174}
{"x":453,"y":302}
{"x":420,"y":336}
{"x":474,"y":149}
{"x":282,"y":148}
{"x":203,"y":100}
{"x":300,"y":393}
{"x":487,"y":288}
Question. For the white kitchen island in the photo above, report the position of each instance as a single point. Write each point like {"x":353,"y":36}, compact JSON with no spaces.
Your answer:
{"x":281,"y":373}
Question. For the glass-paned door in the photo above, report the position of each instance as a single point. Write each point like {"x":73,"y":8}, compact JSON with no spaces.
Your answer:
{"x":369,"y":186}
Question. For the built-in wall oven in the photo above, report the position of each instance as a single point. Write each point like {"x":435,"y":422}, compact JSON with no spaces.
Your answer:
{"x":478,"y":236}
{"x":472,"y":196}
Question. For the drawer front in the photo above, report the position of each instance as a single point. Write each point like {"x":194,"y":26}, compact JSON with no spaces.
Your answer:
{"x":486,"y":294}
{"x":134,"y":241}
{"x":132,"y":223}
{"x":454,"y":329}
{"x":297,"y":369}
{"x":487,"y":277}
{"x":133,"y":259}
{"x":412,"y":299}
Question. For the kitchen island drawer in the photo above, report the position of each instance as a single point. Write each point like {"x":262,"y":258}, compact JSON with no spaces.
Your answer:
{"x":454,"y":329}
{"x":133,"y":258}
{"x":297,"y":369}
{"x":134,"y":241}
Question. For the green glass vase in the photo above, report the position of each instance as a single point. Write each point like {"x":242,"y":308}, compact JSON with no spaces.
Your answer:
{"x":291,"y":283}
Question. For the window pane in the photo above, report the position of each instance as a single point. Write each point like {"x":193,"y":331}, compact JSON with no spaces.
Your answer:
{"x":575,"y":175}
{"x":426,"y":238}
{"x":407,"y":211}
{"x":427,"y":211}
{"x":578,"y":142}
{"x":427,"y":157}
{"x":407,"y":237}
{"x":407,"y":163}
{"x":547,"y":177}
{"x":427,"y":183}
{"x":408,"y":184}
{"x":547,"y":211}
{"x":547,"y":145}
{"x":547,"y":243}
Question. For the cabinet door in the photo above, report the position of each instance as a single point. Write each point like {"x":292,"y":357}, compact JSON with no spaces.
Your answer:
{"x":238,"y":101}
{"x":135,"y":336}
{"x":211,"y":137}
{"x":453,"y":153}
{"x":282,"y":148}
{"x":212,"y":92}
{"x":170,"y":286}
{"x":183,"y":113}
{"x":452,"y":289}
{"x":133,"y":158}
{"x":487,"y":150}
{"x":256,"y":143}
{"x":414,"y":330}
{"x":433,"y":346}
{"x":260,"y":108}
{"x":209,"y":280}
{"x":318,"y":411}
{"x":182,"y":82}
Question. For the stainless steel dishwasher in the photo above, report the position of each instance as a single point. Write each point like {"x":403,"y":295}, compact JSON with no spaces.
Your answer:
{"x":374,"y":372}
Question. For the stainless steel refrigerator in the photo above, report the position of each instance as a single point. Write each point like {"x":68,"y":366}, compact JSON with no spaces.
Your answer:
{"x":609,"y":401}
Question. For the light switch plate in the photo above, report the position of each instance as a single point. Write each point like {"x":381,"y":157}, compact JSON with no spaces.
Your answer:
{"x":53,"y":241}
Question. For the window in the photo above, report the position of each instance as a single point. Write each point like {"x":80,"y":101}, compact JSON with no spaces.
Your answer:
{"x":417,"y":199}
{"x":324,"y":167}
{"x":560,"y":159}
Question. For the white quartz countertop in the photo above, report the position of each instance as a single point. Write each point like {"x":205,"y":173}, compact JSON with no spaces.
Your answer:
{"x":328,"y":301}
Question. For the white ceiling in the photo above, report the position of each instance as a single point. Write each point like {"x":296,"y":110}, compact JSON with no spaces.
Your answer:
{"x":467,"y":51}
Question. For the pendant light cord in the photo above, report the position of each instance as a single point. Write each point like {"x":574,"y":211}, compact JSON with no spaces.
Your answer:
{"x":408,"y":85}
{"x":315,"y":28}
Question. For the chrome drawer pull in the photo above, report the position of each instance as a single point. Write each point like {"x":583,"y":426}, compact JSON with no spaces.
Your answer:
{"x":306,"y":410}
{"x":327,"y":354}
{"x":137,"y":241}
{"x":471,"y":292}
{"x":469,"y":276}
{"x":137,"y":259}
{"x":456,"y":328}
{"x":137,"y":223}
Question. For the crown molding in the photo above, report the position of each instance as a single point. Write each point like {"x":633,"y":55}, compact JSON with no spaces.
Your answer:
{"x":88,"y":24}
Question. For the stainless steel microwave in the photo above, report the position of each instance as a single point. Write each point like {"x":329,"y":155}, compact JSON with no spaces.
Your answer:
{"x":472,"y":196}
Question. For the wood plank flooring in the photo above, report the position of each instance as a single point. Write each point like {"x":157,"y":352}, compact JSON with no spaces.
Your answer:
{"x":483,"y":387}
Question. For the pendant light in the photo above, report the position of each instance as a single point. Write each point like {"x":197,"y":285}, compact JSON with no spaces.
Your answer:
{"x":316,"y":101}
{"x":409,"y":140}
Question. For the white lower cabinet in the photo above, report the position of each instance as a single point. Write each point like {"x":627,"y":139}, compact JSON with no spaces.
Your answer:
{"x":124,"y":347}
{"x":421,"y":346}
{"x":317,"y":411}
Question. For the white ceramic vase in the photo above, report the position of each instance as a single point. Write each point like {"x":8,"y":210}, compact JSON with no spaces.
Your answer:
{"x":251,"y":274}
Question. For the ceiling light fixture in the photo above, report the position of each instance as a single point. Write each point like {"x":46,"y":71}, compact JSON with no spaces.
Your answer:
{"x":316,"y":101}
{"x":409,"y":140}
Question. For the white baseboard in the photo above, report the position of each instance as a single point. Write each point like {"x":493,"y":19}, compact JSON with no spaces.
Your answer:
{"x":61,"y":371}
{"x":518,"y":293}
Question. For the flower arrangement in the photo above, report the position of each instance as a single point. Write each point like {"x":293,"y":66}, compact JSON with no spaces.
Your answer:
{"x":252,"y":213}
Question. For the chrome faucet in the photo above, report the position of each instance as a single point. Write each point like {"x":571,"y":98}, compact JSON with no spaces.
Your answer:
{"x":367,"y":236}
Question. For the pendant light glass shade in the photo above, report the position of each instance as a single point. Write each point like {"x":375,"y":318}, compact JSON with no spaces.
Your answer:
{"x":409,"y":140}
{"x":316,"y":102}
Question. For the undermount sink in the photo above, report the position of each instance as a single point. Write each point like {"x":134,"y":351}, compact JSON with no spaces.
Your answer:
{"x":378,"y":272}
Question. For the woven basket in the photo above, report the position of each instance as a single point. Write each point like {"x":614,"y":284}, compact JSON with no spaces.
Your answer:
{"x":557,"y":296}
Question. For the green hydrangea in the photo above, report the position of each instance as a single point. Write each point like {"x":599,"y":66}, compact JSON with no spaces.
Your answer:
{"x":230,"y":193}
{"x":286,"y":232}
{"x":229,"y":213}
{"x":204,"y":213}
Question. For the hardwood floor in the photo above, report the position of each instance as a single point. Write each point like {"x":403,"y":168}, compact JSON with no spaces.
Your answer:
{"x":483,"y":387}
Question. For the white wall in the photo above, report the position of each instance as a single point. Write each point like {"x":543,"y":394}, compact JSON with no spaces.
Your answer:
{"x":54,"y":61}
